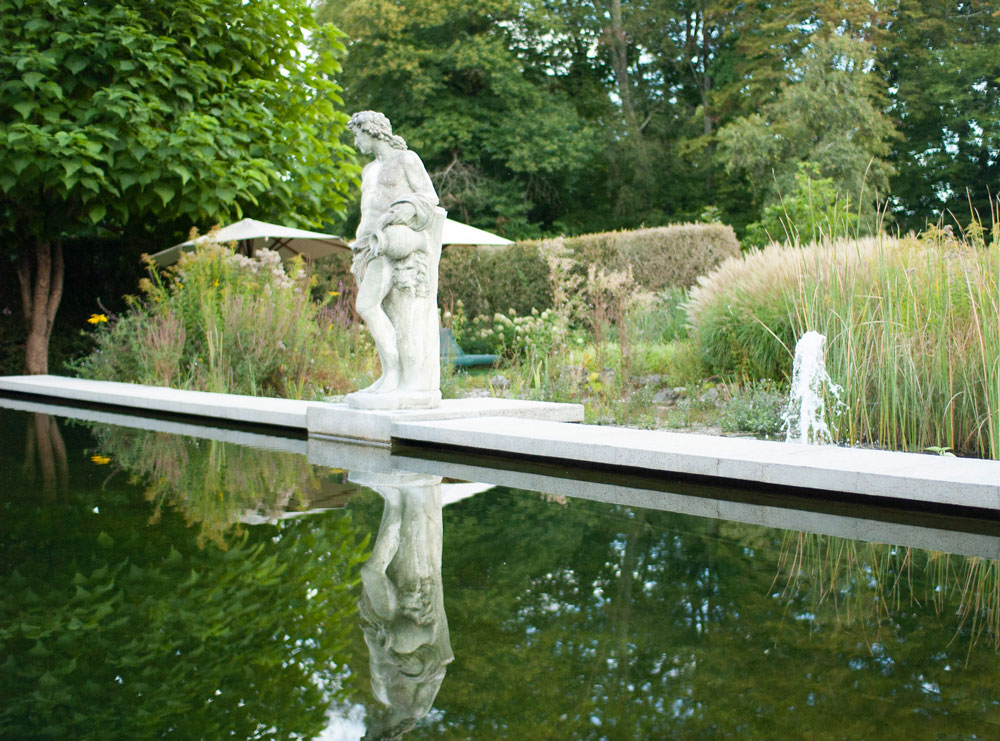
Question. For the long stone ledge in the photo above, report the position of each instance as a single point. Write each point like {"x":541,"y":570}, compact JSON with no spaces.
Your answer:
{"x":317,"y":418}
{"x":230,"y":407}
{"x":904,"y":476}
{"x":847,"y":521}
{"x":539,"y":430}
{"x":203,"y":430}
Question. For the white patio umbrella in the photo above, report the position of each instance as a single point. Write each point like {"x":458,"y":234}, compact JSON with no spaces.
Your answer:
{"x":457,"y":233}
{"x":252,"y":235}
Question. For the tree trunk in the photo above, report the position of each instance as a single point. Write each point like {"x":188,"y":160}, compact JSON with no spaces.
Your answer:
{"x":40,"y":274}
{"x":618,"y":43}
{"x":46,"y":450}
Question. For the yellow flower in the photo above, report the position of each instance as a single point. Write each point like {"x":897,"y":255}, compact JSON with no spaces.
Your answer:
{"x":333,"y":293}
{"x":97,"y":318}
{"x":216,"y":284}
{"x":100,"y":460}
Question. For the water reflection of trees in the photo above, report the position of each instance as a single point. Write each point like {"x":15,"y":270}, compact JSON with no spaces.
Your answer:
{"x":576,"y":621}
{"x":624,"y":623}
{"x":113,"y":627}
{"x":45,"y":454}
{"x":217,"y":484}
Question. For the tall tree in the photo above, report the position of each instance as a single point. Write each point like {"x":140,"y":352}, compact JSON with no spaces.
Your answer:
{"x":122,"y":112}
{"x":500,"y":142}
{"x":943,"y":70}
{"x":828,"y":114}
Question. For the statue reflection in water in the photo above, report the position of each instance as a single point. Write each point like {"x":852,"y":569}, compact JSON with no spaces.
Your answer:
{"x":402,"y":603}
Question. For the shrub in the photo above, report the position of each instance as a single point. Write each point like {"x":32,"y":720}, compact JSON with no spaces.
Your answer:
{"x":665,"y":256}
{"x":812,"y":211}
{"x":491,"y":279}
{"x":488,"y":280}
{"x":755,"y":407}
{"x":218,"y":321}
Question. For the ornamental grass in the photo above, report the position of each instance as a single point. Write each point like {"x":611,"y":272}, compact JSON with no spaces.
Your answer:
{"x":912,"y":327}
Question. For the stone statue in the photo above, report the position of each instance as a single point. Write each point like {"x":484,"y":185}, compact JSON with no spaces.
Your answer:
{"x":396,"y":255}
{"x":402,"y":601}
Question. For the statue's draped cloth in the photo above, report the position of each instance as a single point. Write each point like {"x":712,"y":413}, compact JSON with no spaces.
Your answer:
{"x":409,"y":239}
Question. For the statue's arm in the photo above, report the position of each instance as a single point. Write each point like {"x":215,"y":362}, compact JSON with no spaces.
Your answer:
{"x":421,"y":197}
{"x":366,"y":225}
{"x":419,"y":180}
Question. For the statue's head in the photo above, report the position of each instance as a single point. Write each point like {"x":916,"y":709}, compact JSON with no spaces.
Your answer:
{"x":377,"y":126}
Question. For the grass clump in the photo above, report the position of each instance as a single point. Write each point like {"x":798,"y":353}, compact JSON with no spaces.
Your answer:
{"x":912,"y":327}
{"x":219,"y":321}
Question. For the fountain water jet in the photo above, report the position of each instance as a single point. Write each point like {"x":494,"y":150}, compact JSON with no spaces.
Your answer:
{"x":805,"y":415}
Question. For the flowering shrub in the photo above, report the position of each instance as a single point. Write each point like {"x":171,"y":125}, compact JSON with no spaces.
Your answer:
{"x":220,"y":321}
{"x":509,"y":335}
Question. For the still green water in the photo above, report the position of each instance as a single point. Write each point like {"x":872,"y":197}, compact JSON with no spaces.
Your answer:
{"x":154,"y":585}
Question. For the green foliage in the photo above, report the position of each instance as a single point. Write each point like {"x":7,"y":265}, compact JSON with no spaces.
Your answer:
{"x":813,"y":210}
{"x":125,"y":115}
{"x":660,"y":320}
{"x":218,"y":321}
{"x":491,"y":280}
{"x":535,"y":334}
{"x":488,"y":280}
{"x":122,"y":111}
{"x":754,"y":407}
{"x":942,"y":61}
{"x":828,"y":114}
{"x":459,"y":85}
{"x":912,"y":327}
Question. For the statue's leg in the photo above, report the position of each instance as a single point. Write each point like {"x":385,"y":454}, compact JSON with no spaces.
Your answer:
{"x":372,"y":291}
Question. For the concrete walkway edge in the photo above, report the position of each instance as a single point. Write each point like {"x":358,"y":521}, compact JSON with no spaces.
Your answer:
{"x":543,"y":431}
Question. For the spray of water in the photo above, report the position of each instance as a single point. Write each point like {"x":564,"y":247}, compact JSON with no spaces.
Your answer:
{"x":805,"y":415}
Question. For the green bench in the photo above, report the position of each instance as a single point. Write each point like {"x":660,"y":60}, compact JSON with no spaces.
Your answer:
{"x":455,"y":355}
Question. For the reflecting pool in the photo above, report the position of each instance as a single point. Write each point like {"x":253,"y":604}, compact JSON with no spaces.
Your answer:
{"x":157,"y":584}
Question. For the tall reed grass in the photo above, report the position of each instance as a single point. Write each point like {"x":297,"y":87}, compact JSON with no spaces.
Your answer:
{"x":912,"y":327}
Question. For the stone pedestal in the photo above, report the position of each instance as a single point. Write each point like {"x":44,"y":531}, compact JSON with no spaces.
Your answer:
{"x":374,"y":425}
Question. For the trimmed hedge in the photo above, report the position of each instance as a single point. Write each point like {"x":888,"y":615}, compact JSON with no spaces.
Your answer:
{"x":491,"y":279}
{"x":488,"y":280}
{"x":665,"y":256}
{"x":496,"y":279}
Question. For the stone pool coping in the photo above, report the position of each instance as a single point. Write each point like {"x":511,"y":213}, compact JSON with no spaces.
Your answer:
{"x":540,"y":431}
{"x":933,"y":479}
{"x":334,"y":419}
{"x":845,"y":520}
